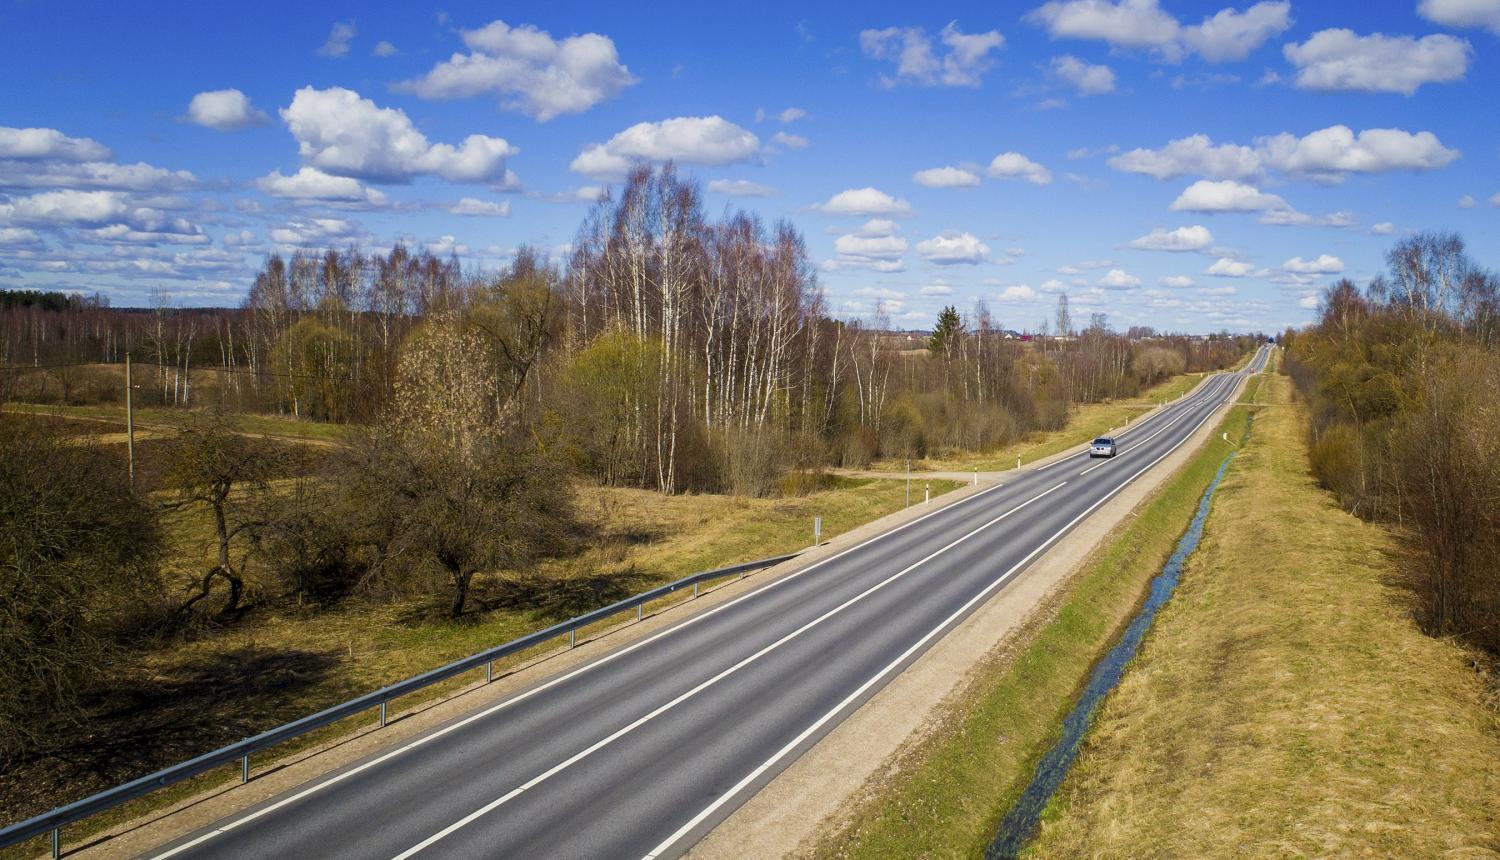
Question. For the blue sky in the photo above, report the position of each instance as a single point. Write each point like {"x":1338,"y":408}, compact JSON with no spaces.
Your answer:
{"x":1190,"y":166}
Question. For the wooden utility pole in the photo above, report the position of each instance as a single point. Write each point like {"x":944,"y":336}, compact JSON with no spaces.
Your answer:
{"x":129,"y":421}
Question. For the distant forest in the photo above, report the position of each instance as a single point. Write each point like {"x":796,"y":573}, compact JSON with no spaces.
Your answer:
{"x":669,"y":351}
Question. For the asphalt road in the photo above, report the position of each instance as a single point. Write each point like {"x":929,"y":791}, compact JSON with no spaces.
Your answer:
{"x":642,"y":751}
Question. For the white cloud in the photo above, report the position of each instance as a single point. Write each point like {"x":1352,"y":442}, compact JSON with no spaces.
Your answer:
{"x":791,"y":114}
{"x":385,"y":49}
{"x":1386,"y":228}
{"x":1227,"y":268}
{"x":863,"y":201}
{"x":790,"y":141}
{"x":1325,"y":264}
{"x":1018,"y":293}
{"x":709,"y":140}
{"x":1339,"y":59}
{"x":313,"y":185}
{"x":1226,"y":195}
{"x":740,"y":188}
{"x":1143,"y":24}
{"x":1495,"y":199}
{"x":1292,"y":218}
{"x":66,"y":207}
{"x":1177,"y":282}
{"x":1231,"y":36}
{"x":936,"y":290}
{"x":1119,"y":279}
{"x":1217,"y":291}
{"x":224,"y":110}
{"x":1467,"y":202}
{"x":1326,"y":155}
{"x":48,"y":144}
{"x":12,"y":236}
{"x":341,"y":133}
{"x":1086,"y":79}
{"x":1195,"y":238}
{"x":1308,"y":302}
{"x":946,"y":177}
{"x":1462,"y":13}
{"x":94,"y":175}
{"x":1013,"y":165}
{"x":338,"y":40}
{"x":475,"y":207}
{"x":953,"y":248}
{"x":875,"y":246}
{"x":919,"y":62}
{"x":528,"y":70}
{"x":1128,"y":23}
{"x":314,"y":232}
{"x":1196,"y":154}
{"x":1054,"y":286}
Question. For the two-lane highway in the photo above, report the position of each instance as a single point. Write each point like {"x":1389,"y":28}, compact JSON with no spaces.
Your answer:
{"x":642,"y":751}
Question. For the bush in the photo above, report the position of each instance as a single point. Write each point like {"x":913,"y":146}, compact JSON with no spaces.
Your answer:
{"x":78,"y":554}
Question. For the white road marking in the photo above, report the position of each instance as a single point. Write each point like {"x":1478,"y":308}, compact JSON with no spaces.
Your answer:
{"x":424,"y":739}
{"x":593,"y":664}
{"x":619,"y":733}
{"x":687,"y":828}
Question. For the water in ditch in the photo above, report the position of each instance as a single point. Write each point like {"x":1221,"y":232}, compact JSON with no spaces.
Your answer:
{"x":1020,"y":823}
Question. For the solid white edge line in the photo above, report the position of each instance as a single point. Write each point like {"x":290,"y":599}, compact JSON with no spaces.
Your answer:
{"x":334,"y":780}
{"x":666,"y":845}
{"x":704,"y":685}
{"x":521,"y":697}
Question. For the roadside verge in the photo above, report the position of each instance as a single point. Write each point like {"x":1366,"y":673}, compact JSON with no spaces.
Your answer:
{"x":1285,"y":703}
{"x":927,"y":765}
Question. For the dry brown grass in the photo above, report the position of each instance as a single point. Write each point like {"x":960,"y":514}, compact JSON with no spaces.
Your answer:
{"x":280,"y":662}
{"x":1285,"y":704}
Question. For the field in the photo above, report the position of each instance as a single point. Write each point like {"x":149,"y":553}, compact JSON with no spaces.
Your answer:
{"x":197,"y":692}
{"x":1284,"y":703}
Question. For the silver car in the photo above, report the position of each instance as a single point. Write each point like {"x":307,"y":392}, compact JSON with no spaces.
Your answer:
{"x":1104,"y":446}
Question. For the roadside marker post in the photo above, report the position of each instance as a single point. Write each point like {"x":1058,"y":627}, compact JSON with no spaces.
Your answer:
{"x":817,"y":530}
{"x":927,"y":493}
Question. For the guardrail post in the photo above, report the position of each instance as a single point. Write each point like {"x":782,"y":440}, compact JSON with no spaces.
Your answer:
{"x":382,"y":715}
{"x":489,"y":671}
{"x":695,"y":591}
{"x":639,"y":607}
{"x":56,"y":843}
{"x":573,"y":637}
{"x":245,"y":769}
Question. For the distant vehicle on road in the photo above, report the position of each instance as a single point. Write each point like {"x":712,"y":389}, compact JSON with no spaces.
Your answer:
{"x":1104,"y":446}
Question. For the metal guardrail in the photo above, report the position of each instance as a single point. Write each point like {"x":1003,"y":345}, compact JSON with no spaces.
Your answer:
{"x":78,"y":810}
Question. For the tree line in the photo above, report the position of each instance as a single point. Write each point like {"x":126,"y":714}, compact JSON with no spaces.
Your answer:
{"x":670,"y":351}
{"x":1403,"y":380}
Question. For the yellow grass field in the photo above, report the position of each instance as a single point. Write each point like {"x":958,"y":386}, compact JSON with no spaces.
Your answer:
{"x":1284,"y":704}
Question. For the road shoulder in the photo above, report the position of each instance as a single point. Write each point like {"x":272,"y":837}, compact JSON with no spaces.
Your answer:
{"x":824,"y":788}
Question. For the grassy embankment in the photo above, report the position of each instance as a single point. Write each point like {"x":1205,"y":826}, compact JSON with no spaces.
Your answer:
{"x":945,"y":795}
{"x":1284,"y":703}
{"x":1084,"y":423}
